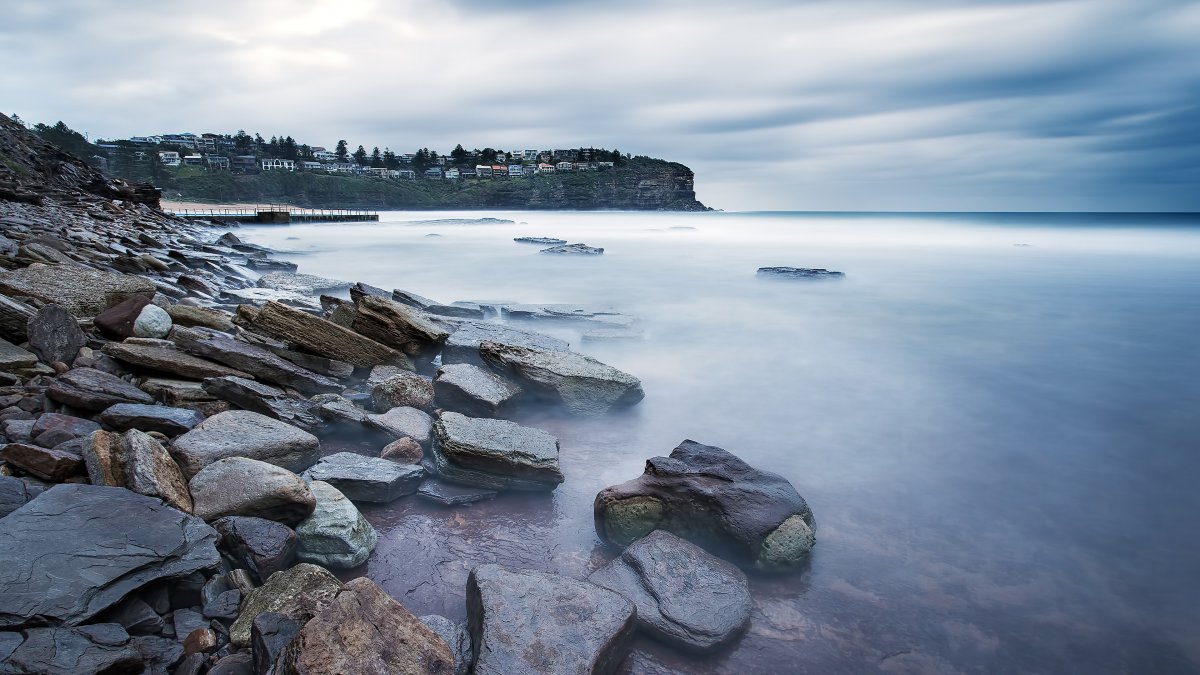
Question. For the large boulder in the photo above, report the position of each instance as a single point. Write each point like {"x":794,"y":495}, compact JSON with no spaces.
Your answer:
{"x":471,"y":390}
{"x":403,"y":422}
{"x":685,"y":596}
{"x":403,"y":389}
{"x":367,"y":479}
{"x":168,"y":360}
{"x":98,"y":649}
{"x":262,"y":546}
{"x":528,"y":622}
{"x":239,"y":486}
{"x":135,"y":460}
{"x":265,"y":399}
{"x":579,"y":383}
{"x":76,"y":550}
{"x":82,"y":291}
{"x":494,"y":454}
{"x":363,"y":630}
{"x":54,"y":335}
{"x":163,"y":419}
{"x":280,"y":591}
{"x":397,"y":325}
{"x":94,"y":390}
{"x":253,"y":359}
{"x":463,"y":344}
{"x":336,"y":535}
{"x":324,"y":337}
{"x":242,"y":433}
{"x":712,"y":498}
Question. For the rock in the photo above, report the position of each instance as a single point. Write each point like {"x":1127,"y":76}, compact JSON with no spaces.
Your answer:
{"x":363,"y":630}
{"x":471,"y":390}
{"x":612,"y":335}
{"x":163,"y":419}
{"x":117,"y":321}
{"x":81,"y":291}
{"x":62,"y":563}
{"x":463,"y":344}
{"x":494,"y":454}
{"x":238,"y":486}
{"x":798,"y":273}
{"x":52,"y":429}
{"x":13,"y":494}
{"x":54,"y":335}
{"x":253,"y":359}
{"x":136,"y":461}
{"x":579,"y":383}
{"x":94,"y":390}
{"x":242,"y":433}
{"x":224,"y":606}
{"x":241,"y":663}
{"x":403,"y":422}
{"x":462,"y":309}
{"x":408,"y":389}
{"x":168,"y":360}
{"x":404,"y":298}
{"x":708,"y":496}
{"x":325,"y":337}
{"x":336,"y":535}
{"x":544,"y":241}
{"x":404,"y":451}
{"x":339,"y":409}
{"x":397,"y":325}
{"x":99,"y":649}
{"x":262,"y":546}
{"x":449,"y":494}
{"x":18,"y":430}
{"x":200,"y":641}
{"x":135,"y":616}
{"x":270,"y":634}
{"x":367,"y":479}
{"x":455,"y":636}
{"x":573,"y":249}
{"x":14,"y":319}
{"x":188,"y":621}
{"x":152,"y":322}
{"x":13,"y":358}
{"x":278,"y":591}
{"x":205,"y":317}
{"x":685,"y":596}
{"x":523,"y":621}
{"x":263,"y":264}
{"x":339,"y":370}
{"x":266,"y":400}
{"x":45,"y":463}
{"x":160,"y":654}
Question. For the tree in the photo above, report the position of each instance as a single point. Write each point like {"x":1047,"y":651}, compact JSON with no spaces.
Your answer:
{"x":288,"y":148}
{"x":242,"y":142}
{"x":304,"y":151}
{"x":389,"y":159}
{"x":341,"y":151}
{"x":376,"y":159}
{"x":487,"y":156}
{"x":458,"y":155}
{"x":259,"y":143}
{"x":360,"y":156}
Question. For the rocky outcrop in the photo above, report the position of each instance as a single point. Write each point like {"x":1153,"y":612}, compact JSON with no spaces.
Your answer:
{"x":323,"y":337}
{"x":579,"y":383}
{"x":494,"y":454}
{"x":573,"y":249}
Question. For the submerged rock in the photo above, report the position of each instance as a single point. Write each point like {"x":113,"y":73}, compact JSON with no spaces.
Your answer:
{"x":573,"y":249}
{"x":798,"y":273}
{"x":579,"y":383}
{"x":367,"y":479}
{"x":544,"y":241}
{"x":449,"y":494}
{"x":336,"y":535}
{"x":242,"y":433}
{"x":494,"y":454}
{"x":708,"y":496}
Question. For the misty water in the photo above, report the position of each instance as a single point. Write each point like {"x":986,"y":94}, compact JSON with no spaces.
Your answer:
{"x":995,"y":419}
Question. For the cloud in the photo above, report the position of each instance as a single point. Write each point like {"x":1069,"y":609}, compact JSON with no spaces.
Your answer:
{"x":1078,"y":104}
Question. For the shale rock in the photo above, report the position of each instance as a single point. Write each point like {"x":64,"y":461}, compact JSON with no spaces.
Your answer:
{"x":798,"y":273}
{"x":270,"y":634}
{"x":403,"y":422}
{"x":81,"y":291}
{"x":324,"y":337}
{"x":336,"y":535}
{"x":398,"y":326}
{"x":94,"y":390}
{"x":463,"y":344}
{"x":54,"y":335}
{"x":48,"y":464}
{"x":99,"y":649}
{"x":264,"y":399}
{"x":494,"y":454}
{"x":52,"y":429}
{"x":242,"y":433}
{"x":253,"y":359}
{"x":262,"y":546}
{"x":14,"y":319}
{"x":449,"y":494}
{"x":471,"y":390}
{"x":455,"y":636}
{"x":136,"y":461}
{"x":367,"y":479}
{"x":168,"y":360}
{"x":14,"y":493}
{"x":117,"y":321}
{"x":279,"y":591}
{"x":163,"y":419}
{"x":237,"y":486}
{"x":406,"y":389}
{"x":13,"y":358}
{"x":580,"y":383}
{"x":206,"y":317}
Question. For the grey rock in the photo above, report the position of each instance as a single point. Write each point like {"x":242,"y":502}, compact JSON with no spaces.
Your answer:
{"x":323,"y":338}
{"x":163,"y":419}
{"x":60,"y":563}
{"x":135,"y":616}
{"x":204,"y":317}
{"x":14,"y":319}
{"x":224,"y":606}
{"x":152,"y":322}
{"x":454,"y":635}
{"x":544,"y":241}
{"x":339,"y":409}
{"x":573,"y":249}
{"x":262,"y":546}
{"x":98,"y":649}
{"x":406,"y":389}
{"x":13,"y":494}
{"x":160,"y":654}
{"x":336,"y":535}
{"x":461,"y":309}
{"x":168,"y":360}
{"x":495,"y":454}
{"x":304,"y":284}
{"x":264,"y":399}
{"x":79,"y":290}
{"x":52,"y":429}
{"x":270,"y":634}
{"x":18,"y":430}
{"x":471,"y":390}
{"x":54,"y":335}
{"x":48,"y":464}
{"x":13,"y":358}
{"x":523,"y":621}
{"x":449,"y":494}
{"x":254,"y":359}
{"x":403,"y":422}
{"x":136,"y":461}
{"x":187,"y":621}
{"x":238,"y":486}
{"x":798,"y":273}
{"x":94,"y":390}
{"x":280,"y":591}
{"x":463,"y":344}
{"x":367,"y":479}
{"x":268,"y":264}
{"x":407,"y":298}
{"x":581,"y":384}
{"x":397,"y":325}
{"x":242,"y":433}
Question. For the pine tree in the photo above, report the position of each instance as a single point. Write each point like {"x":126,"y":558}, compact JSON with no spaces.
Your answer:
{"x":360,"y":156}
{"x":341,"y":151}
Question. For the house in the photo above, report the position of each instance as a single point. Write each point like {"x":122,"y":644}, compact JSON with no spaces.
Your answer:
{"x":218,"y":162}
{"x":499,"y":170}
{"x":193,"y":160}
{"x":308,"y":165}
{"x":340,"y":167}
{"x":468,"y":173}
{"x":565,"y":166}
{"x":207,"y":142}
{"x":433,"y":172}
{"x":181,"y":140}
{"x":582,"y":166}
{"x":324,"y":155}
{"x":605,"y":165}
{"x":244,"y":164}
{"x":516,"y":170}
{"x":531,"y":155}
{"x":545,"y":168}
{"x":483,"y":171}
{"x":146,"y":140}
{"x":568,"y":155}
{"x":406,"y":174}
{"x":170,"y":158}
{"x":406,"y":158}
{"x":452,"y":174}
{"x":278,"y":165}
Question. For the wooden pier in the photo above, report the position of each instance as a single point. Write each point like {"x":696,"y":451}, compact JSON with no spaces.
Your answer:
{"x":277,"y":214}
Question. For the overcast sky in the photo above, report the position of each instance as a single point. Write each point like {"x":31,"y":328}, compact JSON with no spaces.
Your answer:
{"x":841,"y":105}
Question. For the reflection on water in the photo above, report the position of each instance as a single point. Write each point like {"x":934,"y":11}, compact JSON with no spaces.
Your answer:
{"x":995,"y":421}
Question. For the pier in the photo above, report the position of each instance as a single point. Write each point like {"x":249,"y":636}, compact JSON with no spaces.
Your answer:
{"x":278,"y":214}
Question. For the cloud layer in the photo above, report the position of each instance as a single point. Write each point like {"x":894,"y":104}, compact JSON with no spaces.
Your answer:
{"x":854,"y":105}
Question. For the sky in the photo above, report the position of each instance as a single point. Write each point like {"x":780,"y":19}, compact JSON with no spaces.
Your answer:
{"x":938,"y":105}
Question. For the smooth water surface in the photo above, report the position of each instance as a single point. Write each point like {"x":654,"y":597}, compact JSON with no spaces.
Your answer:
{"x":995,"y":419}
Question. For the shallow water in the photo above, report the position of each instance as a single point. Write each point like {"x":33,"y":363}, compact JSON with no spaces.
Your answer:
{"x":994,"y":419}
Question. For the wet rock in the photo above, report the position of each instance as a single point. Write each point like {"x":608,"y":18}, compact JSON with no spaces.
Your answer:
{"x":136,"y":461}
{"x":397,"y":325}
{"x":367,"y":479}
{"x":463,"y":344}
{"x":363,"y":630}
{"x":163,"y":419}
{"x":200,"y":641}
{"x":270,"y":634}
{"x":204,"y":317}
{"x":241,"y":663}
{"x":82,"y":291}
{"x":135,"y":616}
{"x":160,"y":654}
{"x":336,"y":535}
{"x":303,"y":284}
{"x":13,"y":494}
{"x":579,"y":383}
{"x":262,"y":546}
{"x":168,"y":360}
{"x":242,"y":433}
{"x":253,"y":359}
{"x":61,"y":563}
{"x":494,"y":454}
{"x":573,"y":249}
{"x":54,"y":335}
{"x":798,"y":273}
{"x":13,"y":358}
{"x":224,"y":606}
{"x":523,"y":621}
{"x":238,"y":486}
{"x":52,"y":429}
{"x":324,"y":338}
{"x":117,"y":321}
{"x":455,"y":636}
{"x":403,"y":422}
{"x":152,"y":322}
{"x":404,"y":451}
{"x":708,"y":496}
{"x":471,"y":390}
{"x":270,"y":264}
{"x":407,"y":389}
{"x":449,"y":494}
{"x":544,"y":241}
{"x":685,"y":596}
{"x":99,"y":649}
{"x":94,"y":390}
{"x":48,"y":464}
{"x":264,"y":399}
{"x":14,"y":319}
{"x":281,"y":589}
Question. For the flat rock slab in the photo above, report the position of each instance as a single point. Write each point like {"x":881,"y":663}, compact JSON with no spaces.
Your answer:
{"x":98,"y":649}
{"x":523,"y":621}
{"x":336,"y":535}
{"x":712,"y":498}
{"x":403,"y":422}
{"x":579,"y":383}
{"x":242,"y":433}
{"x":163,"y":419}
{"x":367,"y":479}
{"x":264,"y":399}
{"x":798,"y":273}
{"x":94,"y":390}
{"x":61,"y":564}
{"x":14,"y":358}
{"x":82,"y":291}
{"x":463,"y":344}
{"x":14,"y":493}
{"x":167,"y":360}
{"x":253,"y":359}
{"x":685,"y":596}
{"x":237,"y":486}
{"x":279,"y":591}
{"x":51,"y":429}
{"x":45,"y":463}
{"x":397,"y":325}
{"x":325,"y":337}
{"x":450,"y":494}
{"x":54,"y":335}
{"x":573,"y":249}
{"x":305,"y":284}
{"x":471,"y":390}
{"x":497,"y":454}
{"x":262,"y":546}
{"x":544,"y":241}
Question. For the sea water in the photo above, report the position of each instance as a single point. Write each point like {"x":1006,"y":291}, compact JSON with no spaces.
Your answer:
{"x":995,"y":419}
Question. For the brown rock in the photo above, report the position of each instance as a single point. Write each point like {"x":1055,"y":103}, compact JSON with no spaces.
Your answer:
{"x":117,"y":321}
{"x":200,"y":641}
{"x":323,"y":337}
{"x":406,"y":328}
{"x":139,"y":462}
{"x":170,"y":361}
{"x":404,"y":451}
{"x":45,"y":463}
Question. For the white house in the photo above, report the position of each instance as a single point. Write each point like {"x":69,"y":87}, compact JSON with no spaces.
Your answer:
{"x":170,"y":158}
{"x":545,"y":168}
{"x":565,"y":166}
{"x":324,"y":155}
{"x":452,"y":173}
{"x":278,"y":165}
{"x":516,"y":170}
{"x":483,"y":171}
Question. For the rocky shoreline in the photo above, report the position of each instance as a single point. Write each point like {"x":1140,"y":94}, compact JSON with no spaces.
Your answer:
{"x":166,"y":505}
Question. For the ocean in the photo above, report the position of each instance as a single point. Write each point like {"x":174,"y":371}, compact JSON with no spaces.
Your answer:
{"x":994,"y":417}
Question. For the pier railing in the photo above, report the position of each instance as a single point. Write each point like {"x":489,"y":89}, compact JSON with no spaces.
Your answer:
{"x":277,"y":213}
